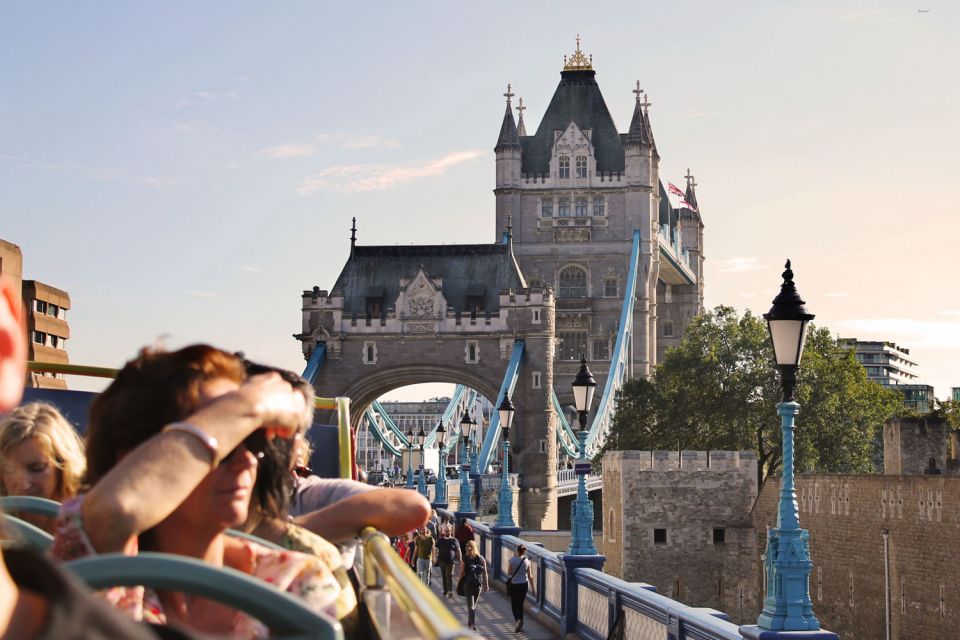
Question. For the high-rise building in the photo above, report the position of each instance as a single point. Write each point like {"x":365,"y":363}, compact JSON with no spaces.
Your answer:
{"x":955,"y":394}
{"x":47,"y":330}
{"x":890,"y":365}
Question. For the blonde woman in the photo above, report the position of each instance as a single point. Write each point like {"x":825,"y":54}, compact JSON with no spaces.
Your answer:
{"x":473,"y":573}
{"x":40,"y":455}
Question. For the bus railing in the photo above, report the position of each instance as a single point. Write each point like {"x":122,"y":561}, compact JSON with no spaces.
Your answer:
{"x":388,"y":581}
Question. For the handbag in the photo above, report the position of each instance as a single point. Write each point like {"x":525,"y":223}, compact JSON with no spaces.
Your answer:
{"x":460,"y":591}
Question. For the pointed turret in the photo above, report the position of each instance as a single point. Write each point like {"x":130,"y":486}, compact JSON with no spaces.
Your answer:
{"x":647,"y":129}
{"x":691,"y":194}
{"x":637,"y":135}
{"x":509,"y":139}
{"x":521,"y":130}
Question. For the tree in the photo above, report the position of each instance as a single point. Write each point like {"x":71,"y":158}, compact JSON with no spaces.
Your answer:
{"x":718,"y":389}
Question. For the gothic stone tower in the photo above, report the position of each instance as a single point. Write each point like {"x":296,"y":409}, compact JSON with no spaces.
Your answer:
{"x":576,"y":190}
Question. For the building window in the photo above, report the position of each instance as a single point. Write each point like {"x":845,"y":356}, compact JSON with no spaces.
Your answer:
{"x":536,"y":316}
{"x":369,"y":353}
{"x":611,"y":288}
{"x":582,"y":207}
{"x":719,"y":535}
{"x":581,"y":166}
{"x":659,"y":536}
{"x":54,"y":310}
{"x":601,"y":349}
{"x":40,"y":337}
{"x":573,"y":283}
{"x":472,"y":352}
{"x":41,"y":306}
{"x":54,"y":340}
{"x":599,"y":207}
{"x":564,"y":167}
{"x":536,"y":379}
{"x":668,"y":328}
{"x":564,"y":208}
{"x":573,"y":344}
{"x":546,"y":208}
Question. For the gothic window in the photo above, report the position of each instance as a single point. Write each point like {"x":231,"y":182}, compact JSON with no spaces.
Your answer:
{"x":564,"y":167}
{"x":472,"y":352}
{"x":546,"y":208}
{"x":668,"y":328}
{"x":611,"y":288}
{"x":573,"y":283}
{"x":599,"y":207}
{"x":581,"y":166}
{"x":581,"y":207}
{"x":573,"y":344}
{"x":601,"y":349}
{"x":564,"y":206}
{"x":369,"y":353}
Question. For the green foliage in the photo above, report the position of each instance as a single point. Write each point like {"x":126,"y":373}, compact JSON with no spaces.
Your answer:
{"x":718,"y":389}
{"x":949,"y":411}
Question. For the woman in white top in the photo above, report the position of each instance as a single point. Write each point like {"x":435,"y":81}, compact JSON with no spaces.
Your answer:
{"x":518,"y":582}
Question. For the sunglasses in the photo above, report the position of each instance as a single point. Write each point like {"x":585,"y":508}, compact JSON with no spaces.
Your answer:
{"x":255,"y":443}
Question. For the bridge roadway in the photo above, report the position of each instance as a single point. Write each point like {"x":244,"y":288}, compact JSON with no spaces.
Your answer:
{"x":494,"y":617}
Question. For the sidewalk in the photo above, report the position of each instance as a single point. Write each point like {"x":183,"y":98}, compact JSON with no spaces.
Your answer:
{"x":494,"y":618}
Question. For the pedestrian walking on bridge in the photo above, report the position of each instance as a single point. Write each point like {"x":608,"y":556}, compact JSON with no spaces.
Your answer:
{"x":517,"y":584}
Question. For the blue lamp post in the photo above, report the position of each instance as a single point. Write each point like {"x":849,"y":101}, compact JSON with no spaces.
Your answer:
{"x":787,"y":606}
{"x":505,"y":506}
{"x":440,"y":492}
{"x":409,"y":458}
{"x":581,"y":520}
{"x":422,"y":481}
{"x":466,"y":500}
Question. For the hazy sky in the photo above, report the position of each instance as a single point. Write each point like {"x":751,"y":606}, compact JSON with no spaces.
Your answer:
{"x":186,"y":169}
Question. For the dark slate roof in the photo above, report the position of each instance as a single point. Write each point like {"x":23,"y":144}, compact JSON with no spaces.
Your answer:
{"x":638,"y":128}
{"x":466,"y":269}
{"x":577,"y":99}
{"x":508,"y":138}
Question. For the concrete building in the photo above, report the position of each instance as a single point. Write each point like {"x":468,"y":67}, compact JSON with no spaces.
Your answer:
{"x":47,"y":329}
{"x":885,"y":362}
{"x":955,"y":394}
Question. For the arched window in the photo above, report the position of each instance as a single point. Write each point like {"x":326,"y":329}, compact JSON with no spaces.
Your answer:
{"x":581,"y":166}
{"x":564,"y":167}
{"x":611,"y":288}
{"x":573,"y":283}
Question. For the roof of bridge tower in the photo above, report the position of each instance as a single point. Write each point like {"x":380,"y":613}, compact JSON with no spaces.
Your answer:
{"x":466,"y":269}
{"x":576,"y":99}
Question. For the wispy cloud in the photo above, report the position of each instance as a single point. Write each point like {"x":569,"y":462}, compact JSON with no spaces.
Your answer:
{"x":370,"y":177}
{"x":739,"y":264}
{"x":912,"y":332}
{"x":251,"y":269}
{"x":338,"y":140}
{"x":203,"y":97}
{"x":196,"y":293}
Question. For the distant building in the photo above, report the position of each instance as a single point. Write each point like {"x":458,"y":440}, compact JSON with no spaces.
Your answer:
{"x":955,"y":394}
{"x":47,"y":329}
{"x":11,"y":264}
{"x":890,"y":365}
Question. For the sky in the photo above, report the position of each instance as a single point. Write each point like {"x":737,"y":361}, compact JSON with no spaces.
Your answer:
{"x":185,"y":170}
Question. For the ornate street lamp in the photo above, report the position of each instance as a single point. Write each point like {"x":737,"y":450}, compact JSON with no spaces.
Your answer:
{"x":505,"y":507}
{"x":466,"y":424}
{"x":440,"y":491}
{"x":409,"y":458}
{"x":581,"y":520}
{"x":422,"y":482}
{"x":787,"y":606}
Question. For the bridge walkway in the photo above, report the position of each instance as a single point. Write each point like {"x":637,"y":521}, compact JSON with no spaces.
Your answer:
{"x":494,"y":617}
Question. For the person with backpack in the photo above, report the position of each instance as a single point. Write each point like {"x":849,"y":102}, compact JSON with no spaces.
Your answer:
{"x":518,"y":583}
{"x":473,"y":576}
{"x":448,"y":552}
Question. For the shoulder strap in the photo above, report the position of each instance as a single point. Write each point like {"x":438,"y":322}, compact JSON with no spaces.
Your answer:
{"x":520,"y":564}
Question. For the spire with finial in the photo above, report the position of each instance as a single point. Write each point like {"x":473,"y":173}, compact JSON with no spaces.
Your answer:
{"x":521,"y":130}
{"x":639,"y":133}
{"x":353,"y":236}
{"x":508,"y":139}
{"x":578,"y":61}
{"x":691,"y":194}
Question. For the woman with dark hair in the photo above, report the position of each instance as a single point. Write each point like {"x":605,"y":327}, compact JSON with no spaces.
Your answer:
{"x":173,"y":447}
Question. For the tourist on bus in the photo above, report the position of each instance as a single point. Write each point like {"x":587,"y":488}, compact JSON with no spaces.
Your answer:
{"x":173,"y":447}
{"x":41,"y":456}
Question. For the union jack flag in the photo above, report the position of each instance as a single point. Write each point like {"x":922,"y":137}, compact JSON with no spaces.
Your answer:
{"x":675,"y":190}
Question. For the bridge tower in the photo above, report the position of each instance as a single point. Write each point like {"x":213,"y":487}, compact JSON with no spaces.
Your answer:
{"x":576,"y":190}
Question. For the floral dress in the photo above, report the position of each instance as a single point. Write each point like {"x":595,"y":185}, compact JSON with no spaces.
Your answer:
{"x":304,"y":576}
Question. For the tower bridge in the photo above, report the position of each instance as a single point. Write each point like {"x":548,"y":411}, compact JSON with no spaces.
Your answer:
{"x":590,"y":258}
